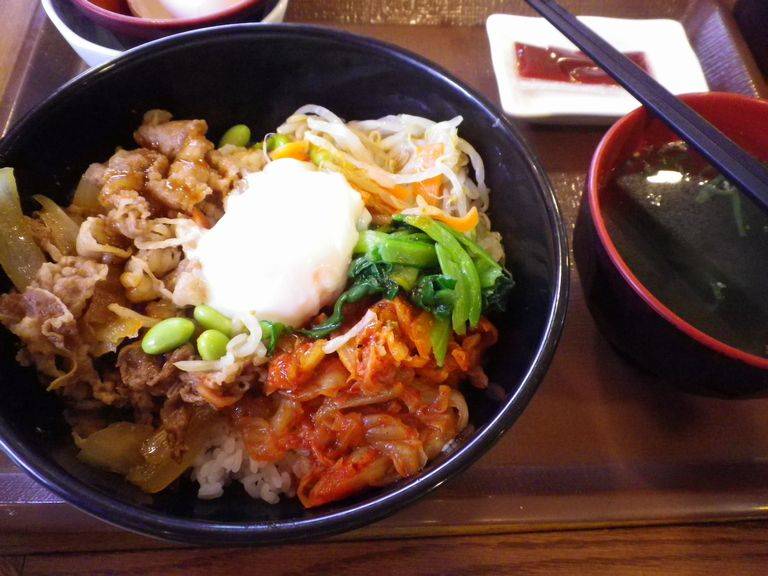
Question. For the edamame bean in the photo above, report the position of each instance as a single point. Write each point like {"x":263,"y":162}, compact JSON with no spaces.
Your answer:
{"x":238,"y":135}
{"x":211,"y":319}
{"x":167,"y":335}
{"x":212,"y":344}
{"x":276,"y":140}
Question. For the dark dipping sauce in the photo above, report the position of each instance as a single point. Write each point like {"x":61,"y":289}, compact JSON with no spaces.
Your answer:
{"x":695,"y":242}
{"x":561,"y":65}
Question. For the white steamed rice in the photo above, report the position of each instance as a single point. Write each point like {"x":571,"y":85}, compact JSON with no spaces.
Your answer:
{"x":226,"y":460}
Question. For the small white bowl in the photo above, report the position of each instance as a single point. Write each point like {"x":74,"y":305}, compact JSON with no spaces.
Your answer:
{"x":664,"y":43}
{"x":92,"y":54}
{"x":95,"y":54}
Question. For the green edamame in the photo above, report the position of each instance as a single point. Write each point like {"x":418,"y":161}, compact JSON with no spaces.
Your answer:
{"x":238,"y":135}
{"x":276,"y":140}
{"x":212,"y":344}
{"x":167,"y":335}
{"x":211,"y":319}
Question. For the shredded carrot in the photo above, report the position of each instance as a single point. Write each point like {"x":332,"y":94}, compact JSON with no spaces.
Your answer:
{"x":402,"y":192}
{"x":429,"y":189}
{"x":296,"y":150}
{"x":377,"y":199}
{"x":459,"y":223}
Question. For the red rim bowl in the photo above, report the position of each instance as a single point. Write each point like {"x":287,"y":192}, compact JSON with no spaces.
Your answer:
{"x":703,"y":363}
{"x":114,"y":15}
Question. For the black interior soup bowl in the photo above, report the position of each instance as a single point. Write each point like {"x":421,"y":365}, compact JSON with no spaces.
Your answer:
{"x":709,"y":347}
{"x":258,"y":75}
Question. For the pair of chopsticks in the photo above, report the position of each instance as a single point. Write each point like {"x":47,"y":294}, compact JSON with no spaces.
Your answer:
{"x":734,"y":163}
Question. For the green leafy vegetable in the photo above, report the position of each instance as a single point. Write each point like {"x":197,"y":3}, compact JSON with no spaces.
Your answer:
{"x":376,"y":275}
{"x":368,"y":279}
{"x":392,"y":249}
{"x":438,"y":337}
{"x":495,"y":298}
{"x":460,"y":307}
{"x":468,"y":303}
{"x":435,"y":293}
{"x":418,"y":254}
{"x":405,"y":276}
{"x":368,"y":241}
{"x":487,"y":268}
{"x":442,"y":271}
{"x":271,"y":332}
{"x":408,"y":234}
{"x":719,"y":186}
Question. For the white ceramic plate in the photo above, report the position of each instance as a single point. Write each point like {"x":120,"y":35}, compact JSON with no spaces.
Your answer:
{"x":95,"y":54}
{"x":670,"y":57}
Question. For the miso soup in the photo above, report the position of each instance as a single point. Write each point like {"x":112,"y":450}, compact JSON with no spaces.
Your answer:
{"x":695,"y":241}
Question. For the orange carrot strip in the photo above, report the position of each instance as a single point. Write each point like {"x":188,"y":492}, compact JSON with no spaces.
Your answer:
{"x":402,"y":192}
{"x":429,"y":189}
{"x":460,"y":224}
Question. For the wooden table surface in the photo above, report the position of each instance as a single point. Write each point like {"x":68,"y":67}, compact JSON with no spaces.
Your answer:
{"x":733,"y":548}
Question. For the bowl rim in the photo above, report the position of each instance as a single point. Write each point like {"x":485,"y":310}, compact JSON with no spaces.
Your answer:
{"x":135,"y":518}
{"x":105,"y":53}
{"x":165,"y":24}
{"x":599,"y":166}
{"x":50,"y":9}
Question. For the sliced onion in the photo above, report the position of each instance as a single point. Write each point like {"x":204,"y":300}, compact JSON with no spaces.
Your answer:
{"x":88,"y":245}
{"x":20,"y":257}
{"x":87,"y":192}
{"x":63,"y":229}
{"x":128,"y":314}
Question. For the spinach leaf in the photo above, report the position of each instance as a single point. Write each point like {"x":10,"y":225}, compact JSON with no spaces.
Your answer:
{"x":496,"y":297}
{"x":435,"y":293}
{"x":368,"y":279}
{"x":271,"y":332}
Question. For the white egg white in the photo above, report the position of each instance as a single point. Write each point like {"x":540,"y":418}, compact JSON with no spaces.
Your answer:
{"x":283,"y":247}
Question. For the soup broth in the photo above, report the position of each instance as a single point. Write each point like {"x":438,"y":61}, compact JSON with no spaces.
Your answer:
{"x":695,"y":241}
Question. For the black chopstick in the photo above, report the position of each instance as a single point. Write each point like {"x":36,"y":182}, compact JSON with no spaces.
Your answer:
{"x":734,"y":163}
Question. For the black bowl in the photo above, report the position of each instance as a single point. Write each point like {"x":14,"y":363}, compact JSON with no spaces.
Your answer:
{"x":259,"y":74}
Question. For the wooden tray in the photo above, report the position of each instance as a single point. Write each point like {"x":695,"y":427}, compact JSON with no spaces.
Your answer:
{"x":601,"y":444}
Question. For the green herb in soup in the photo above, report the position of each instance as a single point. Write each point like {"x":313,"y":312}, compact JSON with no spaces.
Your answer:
{"x":695,"y":241}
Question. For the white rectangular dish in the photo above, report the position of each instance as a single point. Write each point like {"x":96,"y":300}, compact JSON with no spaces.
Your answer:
{"x":664,"y":44}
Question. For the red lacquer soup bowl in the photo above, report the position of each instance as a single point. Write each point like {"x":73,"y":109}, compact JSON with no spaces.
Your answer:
{"x":638,"y":324}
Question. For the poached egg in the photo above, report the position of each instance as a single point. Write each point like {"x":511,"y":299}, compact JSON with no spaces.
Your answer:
{"x":283,"y":247}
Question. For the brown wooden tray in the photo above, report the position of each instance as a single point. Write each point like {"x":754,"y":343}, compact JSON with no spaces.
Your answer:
{"x":601,"y":444}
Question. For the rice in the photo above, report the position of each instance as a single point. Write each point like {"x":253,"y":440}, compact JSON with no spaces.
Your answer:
{"x":226,"y":460}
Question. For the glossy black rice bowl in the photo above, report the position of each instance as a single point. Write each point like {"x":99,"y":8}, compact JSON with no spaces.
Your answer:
{"x":258,"y":75}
